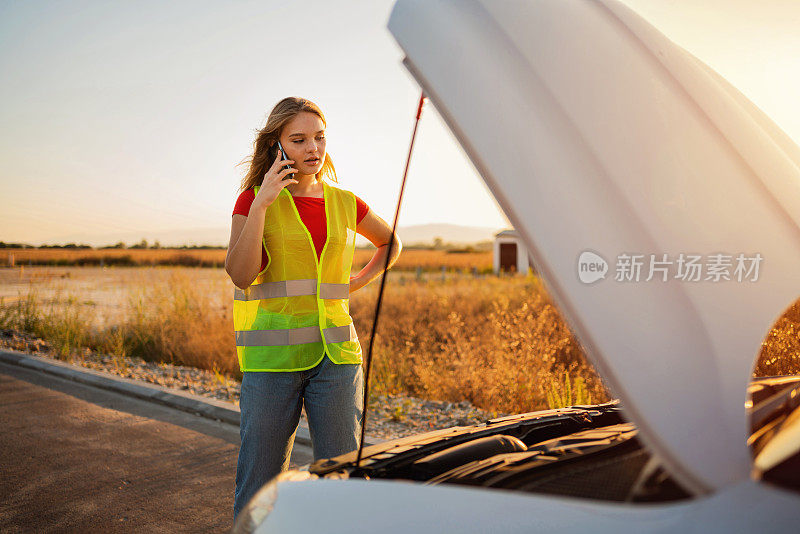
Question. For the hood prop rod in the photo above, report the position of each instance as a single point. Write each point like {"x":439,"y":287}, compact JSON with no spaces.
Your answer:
{"x":422,"y":99}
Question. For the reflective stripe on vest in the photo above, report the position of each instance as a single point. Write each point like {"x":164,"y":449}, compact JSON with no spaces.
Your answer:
{"x":295,"y":336}
{"x":293,"y":288}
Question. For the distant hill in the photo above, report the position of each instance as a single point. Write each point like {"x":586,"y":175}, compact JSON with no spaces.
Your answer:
{"x":417,"y":234}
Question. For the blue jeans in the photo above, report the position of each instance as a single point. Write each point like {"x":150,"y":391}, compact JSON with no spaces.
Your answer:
{"x":270,"y":404}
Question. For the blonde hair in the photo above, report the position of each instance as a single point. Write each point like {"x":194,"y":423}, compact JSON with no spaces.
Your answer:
{"x":265,"y":147}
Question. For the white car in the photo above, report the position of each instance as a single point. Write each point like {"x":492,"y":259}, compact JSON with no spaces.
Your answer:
{"x":604,"y":143}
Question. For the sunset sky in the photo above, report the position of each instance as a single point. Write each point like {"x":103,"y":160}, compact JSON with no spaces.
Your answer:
{"x":127,"y":119}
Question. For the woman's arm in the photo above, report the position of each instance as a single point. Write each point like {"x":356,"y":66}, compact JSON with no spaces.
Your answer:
{"x":243,"y":261}
{"x":378,"y":232}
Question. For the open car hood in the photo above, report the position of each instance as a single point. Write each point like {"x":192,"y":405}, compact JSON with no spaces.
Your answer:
{"x":596,"y":133}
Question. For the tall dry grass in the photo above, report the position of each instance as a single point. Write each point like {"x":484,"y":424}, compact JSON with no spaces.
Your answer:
{"x":497,"y":342}
{"x":171,"y":321}
{"x":167,"y":320}
{"x":60,"y":321}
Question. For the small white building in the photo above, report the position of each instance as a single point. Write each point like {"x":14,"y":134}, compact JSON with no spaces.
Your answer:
{"x":510,"y":254}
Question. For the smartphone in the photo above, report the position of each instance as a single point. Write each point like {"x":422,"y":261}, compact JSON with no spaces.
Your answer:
{"x":283,"y":156}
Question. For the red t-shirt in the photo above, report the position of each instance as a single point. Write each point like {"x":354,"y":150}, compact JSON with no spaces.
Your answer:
{"x":312,"y":213}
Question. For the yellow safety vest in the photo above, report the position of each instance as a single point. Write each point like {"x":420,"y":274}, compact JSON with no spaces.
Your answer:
{"x":298,"y":308}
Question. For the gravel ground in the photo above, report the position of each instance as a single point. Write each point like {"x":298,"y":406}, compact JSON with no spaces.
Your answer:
{"x":390,"y":416}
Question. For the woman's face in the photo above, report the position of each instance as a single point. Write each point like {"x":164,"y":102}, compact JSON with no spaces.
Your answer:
{"x":303,"y":140}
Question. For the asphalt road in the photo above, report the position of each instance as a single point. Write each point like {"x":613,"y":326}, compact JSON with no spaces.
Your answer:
{"x":74,"y":458}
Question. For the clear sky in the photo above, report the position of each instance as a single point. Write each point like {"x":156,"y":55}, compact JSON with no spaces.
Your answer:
{"x":124,"y":118}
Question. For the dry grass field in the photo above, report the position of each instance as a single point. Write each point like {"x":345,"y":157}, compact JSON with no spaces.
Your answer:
{"x":498,"y":342}
{"x":410,"y":259}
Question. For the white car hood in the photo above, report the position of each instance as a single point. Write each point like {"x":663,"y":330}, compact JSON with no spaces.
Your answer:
{"x":595,"y":132}
{"x":390,"y":506}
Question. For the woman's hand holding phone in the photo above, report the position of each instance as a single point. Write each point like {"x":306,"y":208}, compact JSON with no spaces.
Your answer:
{"x":274,"y":180}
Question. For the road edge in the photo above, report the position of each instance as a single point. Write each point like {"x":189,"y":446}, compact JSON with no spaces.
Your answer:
{"x":209,"y":408}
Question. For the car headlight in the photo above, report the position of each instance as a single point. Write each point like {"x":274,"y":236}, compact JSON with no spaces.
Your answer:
{"x":262,"y":503}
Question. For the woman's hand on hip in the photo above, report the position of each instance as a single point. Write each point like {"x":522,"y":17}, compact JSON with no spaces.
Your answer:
{"x":273,"y":182}
{"x":355,"y":284}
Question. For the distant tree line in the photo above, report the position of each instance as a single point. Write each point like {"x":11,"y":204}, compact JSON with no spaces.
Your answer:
{"x":120,"y":245}
{"x":26,"y":245}
{"x":437,"y":244}
{"x":143,"y":244}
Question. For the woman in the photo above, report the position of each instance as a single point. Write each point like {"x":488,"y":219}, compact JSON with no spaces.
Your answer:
{"x":294,"y":336}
